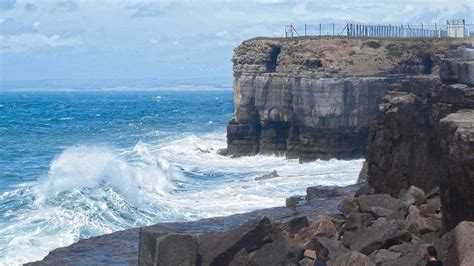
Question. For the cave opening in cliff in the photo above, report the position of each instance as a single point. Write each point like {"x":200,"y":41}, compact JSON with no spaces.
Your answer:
{"x":273,"y":62}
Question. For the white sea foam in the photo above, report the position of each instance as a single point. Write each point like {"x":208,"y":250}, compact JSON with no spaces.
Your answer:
{"x":92,"y":190}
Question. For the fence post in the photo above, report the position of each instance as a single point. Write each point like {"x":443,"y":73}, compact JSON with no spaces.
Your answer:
{"x":333,"y":29}
{"x":305,"y":29}
{"x":319,"y":29}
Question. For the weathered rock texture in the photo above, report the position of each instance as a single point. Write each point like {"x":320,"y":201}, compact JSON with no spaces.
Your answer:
{"x":317,"y":98}
{"x":424,"y":136}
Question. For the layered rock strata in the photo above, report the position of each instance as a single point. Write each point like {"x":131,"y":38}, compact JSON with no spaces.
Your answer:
{"x":424,"y":136}
{"x":317,"y":98}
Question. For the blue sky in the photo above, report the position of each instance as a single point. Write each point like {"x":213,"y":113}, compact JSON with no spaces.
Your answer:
{"x":114,"y":39}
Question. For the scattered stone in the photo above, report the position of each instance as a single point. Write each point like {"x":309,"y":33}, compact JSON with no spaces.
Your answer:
{"x":280,"y":252}
{"x":381,"y":205}
{"x":268,"y":176}
{"x":309,"y":253}
{"x":365,"y":189}
{"x":382,"y":255}
{"x":367,"y":240}
{"x":292,"y":201}
{"x":335,"y":247}
{"x":220,"y":248}
{"x":413,"y":195}
{"x":348,"y":206}
{"x":322,"y":226}
{"x":358,"y":220}
{"x":411,"y":254}
{"x":295,"y":225}
{"x":417,"y":224}
{"x":353,"y":258}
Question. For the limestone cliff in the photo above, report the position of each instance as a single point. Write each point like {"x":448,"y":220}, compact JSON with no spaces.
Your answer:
{"x":315,"y":98}
{"x":424,"y":136}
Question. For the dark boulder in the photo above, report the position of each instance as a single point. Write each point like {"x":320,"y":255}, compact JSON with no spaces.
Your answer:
{"x":367,"y":240}
{"x":220,"y":248}
{"x":283,"y":252}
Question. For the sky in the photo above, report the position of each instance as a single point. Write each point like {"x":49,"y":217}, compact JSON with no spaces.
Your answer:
{"x":170,"y":40}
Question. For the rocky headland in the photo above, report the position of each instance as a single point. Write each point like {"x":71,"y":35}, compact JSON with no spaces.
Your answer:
{"x":407,"y":105}
{"x":317,"y":98}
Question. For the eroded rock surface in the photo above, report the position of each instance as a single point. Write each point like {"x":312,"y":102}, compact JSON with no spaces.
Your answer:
{"x":317,"y":98}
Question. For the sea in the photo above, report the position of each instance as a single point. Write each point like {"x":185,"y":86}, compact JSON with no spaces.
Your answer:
{"x":77,"y":163}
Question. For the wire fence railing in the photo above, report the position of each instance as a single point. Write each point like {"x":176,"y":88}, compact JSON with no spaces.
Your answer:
{"x":457,"y":29}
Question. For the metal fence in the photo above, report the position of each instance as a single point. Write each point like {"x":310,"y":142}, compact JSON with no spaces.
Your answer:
{"x":377,"y":30}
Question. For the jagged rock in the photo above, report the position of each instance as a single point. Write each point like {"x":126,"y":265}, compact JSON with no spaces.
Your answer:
{"x":268,"y":176}
{"x":365,"y":189}
{"x":413,"y":195}
{"x":280,"y":252}
{"x":367,"y":240}
{"x":309,"y":253}
{"x":295,"y":225}
{"x":455,"y":247}
{"x":322,"y":226}
{"x":381,"y":205}
{"x":353,"y":258}
{"x":457,"y":193}
{"x":335,"y":247}
{"x":411,"y":254}
{"x":358,"y":220}
{"x":381,"y":221}
{"x":220,"y":248}
{"x":382,"y":255}
{"x":417,"y":224}
{"x":432,"y":206}
{"x":348,"y":206}
{"x":241,"y":258}
{"x":292,"y":201}
{"x":323,"y":192}
{"x":168,"y":249}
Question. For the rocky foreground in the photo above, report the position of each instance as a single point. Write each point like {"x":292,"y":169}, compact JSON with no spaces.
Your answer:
{"x":368,"y":229}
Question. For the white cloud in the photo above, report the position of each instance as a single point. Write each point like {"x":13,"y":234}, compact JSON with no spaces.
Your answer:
{"x":31,"y":41}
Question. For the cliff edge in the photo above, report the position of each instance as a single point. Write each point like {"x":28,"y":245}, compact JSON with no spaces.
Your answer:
{"x":424,"y":137}
{"x":316,"y":98}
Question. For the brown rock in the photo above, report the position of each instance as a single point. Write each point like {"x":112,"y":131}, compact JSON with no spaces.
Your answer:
{"x":413,"y":195}
{"x":294,"y":225}
{"x":322,"y":226}
{"x":348,"y":206}
{"x":309,"y":253}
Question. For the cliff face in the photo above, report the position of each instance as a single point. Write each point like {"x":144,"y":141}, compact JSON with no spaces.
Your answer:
{"x":317,"y":98}
{"x":424,"y":136}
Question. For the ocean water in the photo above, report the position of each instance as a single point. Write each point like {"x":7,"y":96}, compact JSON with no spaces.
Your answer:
{"x":77,"y":164}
